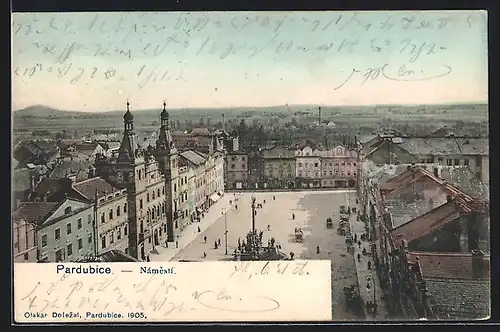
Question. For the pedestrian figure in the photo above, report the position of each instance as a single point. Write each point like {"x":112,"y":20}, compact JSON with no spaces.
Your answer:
{"x":147,"y":258}
{"x":204,"y":255}
{"x":239,"y":242}
{"x":230,"y":202}
{"x":274,"y":198}
{"x":317,"y":249}
{"x":264,"y":201}
{"x":166,"y":243}
{"x":359,"y":257}
{"x":205,"y":238}
{"x":293,"y":216}
{"x":355,"y":237}
{"x":236,"y":207}
{"x":369,"y":265}
{"x":291,"y":256}
{"x":359,"y":244}
{"x":177,"y":244}
{"x":199,"y":230}
{"x":218,"y":242}
{"x":364,"y":251}
{"x":268,"y":227}
{"x":215,"y":245}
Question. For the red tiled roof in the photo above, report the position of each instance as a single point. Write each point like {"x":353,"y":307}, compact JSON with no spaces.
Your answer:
{"x":47,"y":185}
{"x":445,"y":265}
{"x":34,"y":212}
{"x":428,"y":222}
{"x":89,"y":187}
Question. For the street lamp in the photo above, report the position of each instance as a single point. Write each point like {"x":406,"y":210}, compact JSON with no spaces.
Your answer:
{"x":224,"y":211}
{"x":253,"y":213}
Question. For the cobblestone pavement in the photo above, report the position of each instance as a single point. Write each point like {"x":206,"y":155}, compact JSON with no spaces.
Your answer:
{"x":311,"y":210}
{"x":366,"y":277}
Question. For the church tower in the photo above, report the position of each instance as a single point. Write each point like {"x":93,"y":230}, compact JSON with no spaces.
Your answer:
{"x":130,"y":173}
{"x":167,"y":156}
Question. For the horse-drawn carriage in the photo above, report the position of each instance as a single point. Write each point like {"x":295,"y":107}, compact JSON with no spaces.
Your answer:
{"x":329,"y":222}
{"x":341,"y":231}
{"x":299,"y":235}
{"x":343,"y":209}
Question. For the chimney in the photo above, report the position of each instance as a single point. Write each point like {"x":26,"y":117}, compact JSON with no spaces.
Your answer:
{"x":408,"y":167}
{"x":436,"y":172}
{"x":480,"y":268}
{"x":448,"y":199}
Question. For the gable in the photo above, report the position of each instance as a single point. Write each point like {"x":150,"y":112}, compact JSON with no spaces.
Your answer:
{"x":60,"y":211}
{"x":390,"y":153}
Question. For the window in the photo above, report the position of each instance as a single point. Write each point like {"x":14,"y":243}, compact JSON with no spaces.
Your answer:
{"x":79,"y":224}
{"x":103,"y":218}
{"x":233,"y":166}
{"x":233,"y":158}
{"x":315,"y":164}
{"x":449,"y":162}
{"x":103,"y":242}
{"x":89,"y":219}
{"x":26,"y":256}
{"x":440,"y":160}
{"x":44,"y":240}
{"x":175,"y":187}
{"x":111,"y":238}
{"x":110,"y":214}
{"x":324,"y":172}
{"x":119,"y":234}
{"x":125,"y":208}
{"x":89,"y":238}
{"x":300,"y":164}
{"x":70,"y":249}
{"x":163,"y":190}
{"x":158,"y":192}
{"x":140,"y":204}
{"x":125,"y":230}
{"x":147,"y":197}
{"x":353,"y":164}
{"x":430,"y":161}
{"x":67,"y":210}
{"x":68,"y":228}
{"x":59,"y":255}
{"x":80,"y":244}
{"x":457,"y":162}
{"x":153,"y":194}
{"x":331,"y":172}
{"x":466,"y":162}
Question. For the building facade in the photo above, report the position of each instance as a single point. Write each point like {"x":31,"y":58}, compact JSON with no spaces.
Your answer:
{"x":67,"y":232}
{"x":236,"y":170}
{"x":339,"y":167}
{"x":25,"y":240}
{"x":279,"y":168}
{"x":111,"y":216}
{"x":308,"y":167}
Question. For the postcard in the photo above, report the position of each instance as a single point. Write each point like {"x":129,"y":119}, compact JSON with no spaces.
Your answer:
{"x":250,"y":166}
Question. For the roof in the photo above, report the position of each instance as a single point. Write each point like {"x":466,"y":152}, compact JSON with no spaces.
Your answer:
{"x":445,"y":265}
{"x":34,"y":212}
{"x":77,"y":166}
{"x":414,"y":174}
{"x":116,"y":256}
{"x":458,"y":298}
{"x":446,"y":146}
{"x":430,"y":221}
{"x":88,"y":188}
{"x":193,"y":157}
{"x":200,"y":132}
{"x":465,"y":180}
{"x":403,"y":211}
{"x":47,"y":185}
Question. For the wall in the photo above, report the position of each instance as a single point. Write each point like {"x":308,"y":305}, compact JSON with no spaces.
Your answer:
{"x":112,"y":223}
{"x":24,"y":237}
{"x":81,"y":215}
{"x":236,"y":171}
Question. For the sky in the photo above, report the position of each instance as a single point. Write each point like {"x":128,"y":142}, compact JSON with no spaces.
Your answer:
{"x":95,"y":62}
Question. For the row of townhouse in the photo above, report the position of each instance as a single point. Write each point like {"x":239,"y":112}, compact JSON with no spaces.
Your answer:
{"x":301,"y":166}
{"x":139,"y":199}
{"x":430,"y":224}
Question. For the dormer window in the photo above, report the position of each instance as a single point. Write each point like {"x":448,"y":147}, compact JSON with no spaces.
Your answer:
{"x":67,"y":210}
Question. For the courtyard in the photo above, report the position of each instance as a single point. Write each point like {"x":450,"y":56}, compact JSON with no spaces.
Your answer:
{"x":311,"y":210}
